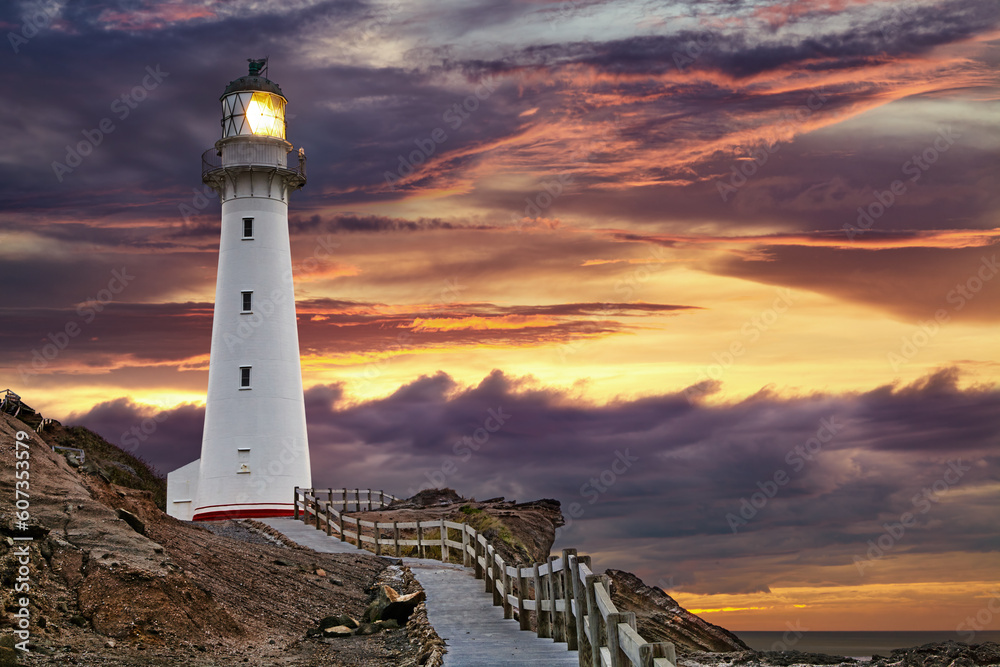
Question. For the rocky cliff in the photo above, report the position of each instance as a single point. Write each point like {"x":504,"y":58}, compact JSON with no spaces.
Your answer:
{"x":115,"y":581}
{"x":660,"y":619}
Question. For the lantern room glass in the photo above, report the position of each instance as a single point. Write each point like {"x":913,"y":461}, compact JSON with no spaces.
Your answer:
{"x":254,"y":113}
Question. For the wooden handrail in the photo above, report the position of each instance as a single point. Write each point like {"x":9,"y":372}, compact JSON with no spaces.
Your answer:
{"x":570,"y":603}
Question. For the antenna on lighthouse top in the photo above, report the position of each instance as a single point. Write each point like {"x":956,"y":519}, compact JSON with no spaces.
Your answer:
{"x":258,"y":66}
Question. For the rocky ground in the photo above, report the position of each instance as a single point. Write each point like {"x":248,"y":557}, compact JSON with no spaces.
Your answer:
{"x":115,"y":581}
{"x":943,"y":654}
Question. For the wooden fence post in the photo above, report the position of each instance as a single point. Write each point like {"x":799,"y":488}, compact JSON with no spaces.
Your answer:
{"x":580,"y":597}
{"x":395,"y":538}
{"x":555,"y":579}
{"x":475,"y":556}
{"x":381,"y":498}
{"x":522,"y":614}
{"x":489,"y":572}
{"x":594,"y":616}
{"x":445,"y":555}
{"x":370,"y":500}
{"x":340,"y":520}
{"x":357,"y":500}
{"x":420,"y":540}
{"x":466,"y":561}
{"x":329,"y":517}
{"x":541,"y":616}
{"x":316,"y":508}
{"x":378,"y":538}
{"x":649,"y":652}
{"x":569,"y":618}
{"x":344,"y":508}
{"x":295,"y":503}
{"x":618,"y":657}
{"x":508,"y":589}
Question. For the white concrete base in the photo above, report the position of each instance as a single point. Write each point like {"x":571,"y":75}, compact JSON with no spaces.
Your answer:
{"x":182,"y":491}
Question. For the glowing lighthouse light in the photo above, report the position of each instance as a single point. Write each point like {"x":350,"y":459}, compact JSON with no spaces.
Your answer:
{"x":253,"y":112}
{"x":254,"y":450}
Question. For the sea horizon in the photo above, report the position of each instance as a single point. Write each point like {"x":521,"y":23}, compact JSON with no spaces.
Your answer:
{"x":857,"y":643}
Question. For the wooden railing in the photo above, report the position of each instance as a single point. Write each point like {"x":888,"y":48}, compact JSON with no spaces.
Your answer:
{"x":566,"y":600}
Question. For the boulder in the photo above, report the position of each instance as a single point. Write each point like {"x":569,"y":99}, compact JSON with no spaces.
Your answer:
{"x":389,"y":604}
{"x":367,"y":629}
{"x":132,"y":520}
{"x":338,"y":631}
{"x":332,"y":626}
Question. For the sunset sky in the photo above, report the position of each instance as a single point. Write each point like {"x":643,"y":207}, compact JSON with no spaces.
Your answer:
{"x":738,"y":246}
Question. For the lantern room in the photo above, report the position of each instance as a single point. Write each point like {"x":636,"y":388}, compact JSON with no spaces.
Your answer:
{"x":253,"y":105}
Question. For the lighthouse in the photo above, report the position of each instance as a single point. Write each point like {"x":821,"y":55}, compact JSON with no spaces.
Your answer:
{"x":254,"y":450}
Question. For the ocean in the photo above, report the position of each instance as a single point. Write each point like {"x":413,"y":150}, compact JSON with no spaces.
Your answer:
{"x":855,"y":644}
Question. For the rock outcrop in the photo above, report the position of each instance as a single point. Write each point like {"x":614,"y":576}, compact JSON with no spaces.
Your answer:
{"x":660,"y":619}
{"x":522,"y":533}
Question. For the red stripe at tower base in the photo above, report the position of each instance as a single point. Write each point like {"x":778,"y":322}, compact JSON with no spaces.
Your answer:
{"x":220,"y":515}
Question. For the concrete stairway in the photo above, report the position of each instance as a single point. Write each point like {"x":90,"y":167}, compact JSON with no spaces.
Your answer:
{"x":476,"y":633}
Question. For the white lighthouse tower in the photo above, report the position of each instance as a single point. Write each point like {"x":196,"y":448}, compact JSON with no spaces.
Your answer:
{"x":254,"y":451}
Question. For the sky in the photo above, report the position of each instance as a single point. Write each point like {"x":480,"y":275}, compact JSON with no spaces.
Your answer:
{"x":725,"y":270}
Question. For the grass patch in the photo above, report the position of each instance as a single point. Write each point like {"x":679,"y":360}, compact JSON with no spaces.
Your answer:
{"x":122,"y":468}
{"x":484,"y":523}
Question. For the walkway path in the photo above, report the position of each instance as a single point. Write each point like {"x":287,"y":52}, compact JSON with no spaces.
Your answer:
{"x":476,"y":633}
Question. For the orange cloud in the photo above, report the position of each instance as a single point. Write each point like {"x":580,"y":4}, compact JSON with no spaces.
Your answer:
{"x":476,"y":322}
{"x":154,"y":18}
{"x":872,"y":240}
{"x":303,"y":274}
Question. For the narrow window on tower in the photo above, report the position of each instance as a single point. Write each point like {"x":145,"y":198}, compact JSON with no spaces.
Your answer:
{"x":248,"y":228}
{"x":245,"y":377}
{"x":247,"y":302}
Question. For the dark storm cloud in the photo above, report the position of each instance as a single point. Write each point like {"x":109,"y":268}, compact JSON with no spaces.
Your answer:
{"x":59,"y":96}
{"x":356,"y":121}
{"x":93,"y":336}
{"x":700,"y":461}
{"x":963,"y":283}
{"x":369,"y":223}
{"x":852,"y":462}
{"x":164,"y":439}
{"x":60,"y":280}
{"x":890,"y":35}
